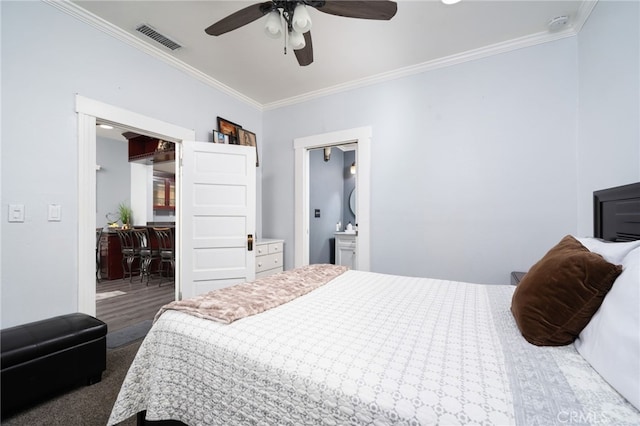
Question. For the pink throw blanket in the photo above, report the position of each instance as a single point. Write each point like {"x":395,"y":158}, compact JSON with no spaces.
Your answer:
{"x":232,"y":303}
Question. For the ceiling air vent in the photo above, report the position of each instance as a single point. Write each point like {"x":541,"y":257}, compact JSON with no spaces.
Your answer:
{"x":152,"y":33}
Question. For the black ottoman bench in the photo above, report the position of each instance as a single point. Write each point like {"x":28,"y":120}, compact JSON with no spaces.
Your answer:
{"x":43,"y":358}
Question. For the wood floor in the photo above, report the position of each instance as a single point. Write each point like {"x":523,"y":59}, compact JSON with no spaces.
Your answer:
{"x":140,"y":301}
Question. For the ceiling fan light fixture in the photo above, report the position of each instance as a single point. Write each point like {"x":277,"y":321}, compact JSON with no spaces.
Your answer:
{"x":291,"y":17}
{"x":301,"y":20}
{"x":273,"y":26}
{"x":296,"y":40}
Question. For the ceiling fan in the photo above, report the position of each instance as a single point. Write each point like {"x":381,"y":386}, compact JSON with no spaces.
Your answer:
{"x":298,"y":21}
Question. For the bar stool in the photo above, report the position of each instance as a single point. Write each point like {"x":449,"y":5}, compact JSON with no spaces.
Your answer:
{"x":165,"y":249}
{"x":129,"y":250}
{"x":145,"y":251}
{"x":98,"y":258}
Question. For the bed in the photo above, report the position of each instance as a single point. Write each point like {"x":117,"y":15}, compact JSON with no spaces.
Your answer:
{"x":369,"y":348}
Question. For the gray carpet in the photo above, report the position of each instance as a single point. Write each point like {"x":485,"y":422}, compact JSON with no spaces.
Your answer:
{"x":85,"y":405}
{"x":129,"y":334}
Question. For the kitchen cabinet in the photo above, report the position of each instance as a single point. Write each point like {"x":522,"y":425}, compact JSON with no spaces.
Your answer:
{"x":110,"y":254}
{"x":148,"y":150}
{"x":164,"y":191}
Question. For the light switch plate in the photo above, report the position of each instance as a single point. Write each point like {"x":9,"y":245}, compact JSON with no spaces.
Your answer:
{"x":55,"y":213}
{"x":16,"y":212}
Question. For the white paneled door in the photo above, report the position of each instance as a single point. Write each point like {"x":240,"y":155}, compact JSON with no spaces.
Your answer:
{"x":218,"y":205}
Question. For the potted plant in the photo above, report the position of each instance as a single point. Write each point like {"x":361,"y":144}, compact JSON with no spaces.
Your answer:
{"x":126,"y":215}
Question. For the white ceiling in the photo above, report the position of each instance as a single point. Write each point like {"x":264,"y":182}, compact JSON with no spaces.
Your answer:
{"x":347,"y":52}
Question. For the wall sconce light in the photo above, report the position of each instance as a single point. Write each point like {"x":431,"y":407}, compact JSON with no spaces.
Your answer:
{"x":353,"y":168}
{"x":327,"y":153}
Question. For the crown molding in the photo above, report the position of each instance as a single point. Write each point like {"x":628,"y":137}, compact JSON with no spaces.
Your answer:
{"x":447,"y":61}
{"x":585,"y":9}
{"x":108,"y":28}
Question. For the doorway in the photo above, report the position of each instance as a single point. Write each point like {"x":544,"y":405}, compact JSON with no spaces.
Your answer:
{"x":89,"y":111}
{"x":332,"y":182}
{"x":361,"y":137}
{"x":130,"y":294}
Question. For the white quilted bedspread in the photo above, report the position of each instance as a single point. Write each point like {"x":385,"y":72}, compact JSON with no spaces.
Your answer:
{"x":365,"y":348}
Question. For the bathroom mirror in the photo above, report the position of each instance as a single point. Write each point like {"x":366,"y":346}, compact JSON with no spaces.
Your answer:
{"x":352,"y":201}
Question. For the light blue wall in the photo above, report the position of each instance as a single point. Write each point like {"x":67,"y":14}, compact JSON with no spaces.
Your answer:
{"x":469,"y":163}
{"x":609,"y":102}
{"x":478,"y":168}
{"x":42,"y":71}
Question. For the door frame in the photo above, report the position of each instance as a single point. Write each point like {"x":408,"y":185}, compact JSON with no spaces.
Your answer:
{"x":361,"y":136}
{"x":89,"y":111}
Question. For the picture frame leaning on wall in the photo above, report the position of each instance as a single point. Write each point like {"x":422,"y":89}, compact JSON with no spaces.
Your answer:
{"x":229,"y":128}
{"x":248,"y":138}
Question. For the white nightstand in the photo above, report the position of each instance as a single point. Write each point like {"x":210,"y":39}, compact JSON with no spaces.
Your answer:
{"x":269,"y":257}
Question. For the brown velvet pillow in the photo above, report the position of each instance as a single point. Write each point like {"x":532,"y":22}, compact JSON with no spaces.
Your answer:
{"x":558,"y":296}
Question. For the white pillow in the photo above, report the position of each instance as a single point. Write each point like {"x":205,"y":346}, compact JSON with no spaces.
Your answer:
{"x":612,"y":252}
{"x":611,"y":340}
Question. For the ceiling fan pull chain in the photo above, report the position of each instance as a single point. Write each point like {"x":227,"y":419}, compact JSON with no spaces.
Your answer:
{"x":286,"y":34}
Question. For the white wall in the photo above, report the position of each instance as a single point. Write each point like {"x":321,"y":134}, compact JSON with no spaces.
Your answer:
{"x":479,"y":168}
{"x":609,"y":103}
{"x":42,"y":71}
{"x":113,"y":179}
{"x":141,"y":190}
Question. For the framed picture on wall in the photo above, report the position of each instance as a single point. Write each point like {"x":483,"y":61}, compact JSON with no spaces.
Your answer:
{"x":229,"y":128}
{"x":248,"y":138}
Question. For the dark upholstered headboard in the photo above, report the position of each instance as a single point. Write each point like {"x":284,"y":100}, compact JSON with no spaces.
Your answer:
{"x":616,"y":213}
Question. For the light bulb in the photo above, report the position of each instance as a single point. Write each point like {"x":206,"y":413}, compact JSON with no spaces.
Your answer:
{"x":273,"y":27}
{"x":301,"y":19}
{"x":296,"y":40}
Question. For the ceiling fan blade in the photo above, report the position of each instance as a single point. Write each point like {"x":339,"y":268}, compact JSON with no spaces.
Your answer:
{"x":381,"y":10}
{"x":240,"y":18}
{"x":305,"y":55}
